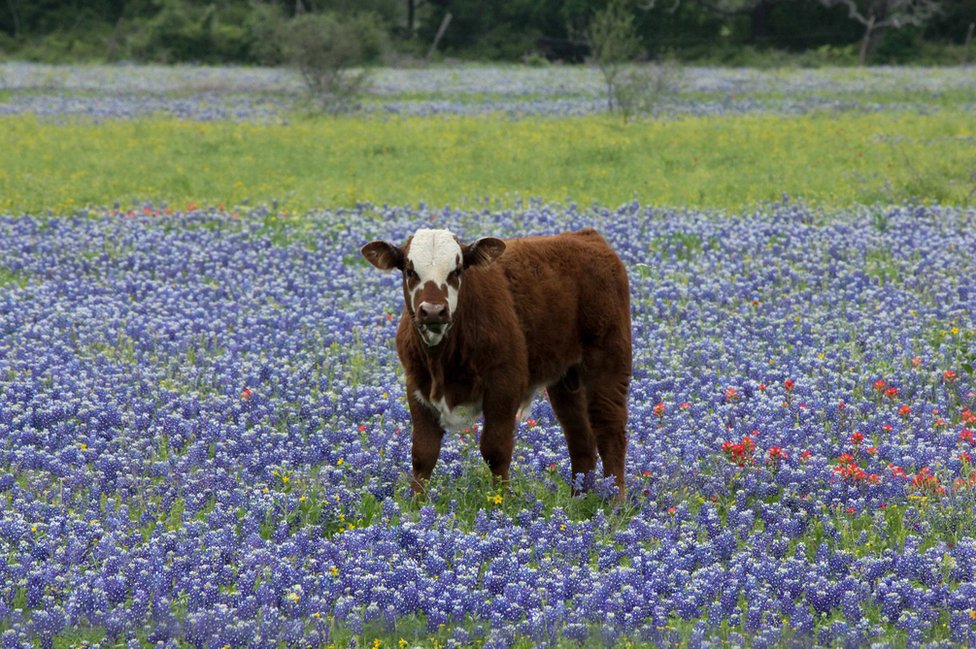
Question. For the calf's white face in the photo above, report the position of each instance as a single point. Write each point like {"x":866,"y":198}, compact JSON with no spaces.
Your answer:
{"x":432,"y":277}
{"x":432,"y":262}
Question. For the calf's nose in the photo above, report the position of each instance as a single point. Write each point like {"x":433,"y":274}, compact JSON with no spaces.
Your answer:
{"x":432,"y":313}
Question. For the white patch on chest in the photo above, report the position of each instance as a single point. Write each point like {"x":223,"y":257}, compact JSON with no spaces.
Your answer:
{"x":457,"y":418}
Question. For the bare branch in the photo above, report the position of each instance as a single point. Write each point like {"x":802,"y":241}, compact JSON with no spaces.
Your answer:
{"x":890,"y":13}
{"x":647,"y":5}
{"x":733,"y":7}
{"x":852,"y":9}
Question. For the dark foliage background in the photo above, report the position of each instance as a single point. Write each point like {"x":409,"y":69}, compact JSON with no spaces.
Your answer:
{"x":249,"y":31}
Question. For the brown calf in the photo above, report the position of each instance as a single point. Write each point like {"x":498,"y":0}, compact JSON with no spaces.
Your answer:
{"x":486,"y":324}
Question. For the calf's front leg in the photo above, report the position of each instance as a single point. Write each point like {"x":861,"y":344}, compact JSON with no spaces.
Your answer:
{"x":427,"y":436}
{"x":498,"y":436}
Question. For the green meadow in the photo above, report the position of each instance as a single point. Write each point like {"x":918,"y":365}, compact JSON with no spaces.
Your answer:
{"x":827,"y":159}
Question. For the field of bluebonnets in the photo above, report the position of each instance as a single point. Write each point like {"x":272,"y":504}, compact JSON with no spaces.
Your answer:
{"x":204,"y":440}
{"x":205,"y":93}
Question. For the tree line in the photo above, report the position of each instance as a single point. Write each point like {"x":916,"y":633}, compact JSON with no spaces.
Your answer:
{"x":708,"y":31}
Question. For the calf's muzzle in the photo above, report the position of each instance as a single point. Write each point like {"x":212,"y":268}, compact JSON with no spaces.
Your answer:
{"x":433,"y":314}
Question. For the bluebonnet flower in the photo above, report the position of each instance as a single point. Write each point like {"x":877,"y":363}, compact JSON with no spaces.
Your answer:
{"x":11,"y":639}
{"x":167,"y":473}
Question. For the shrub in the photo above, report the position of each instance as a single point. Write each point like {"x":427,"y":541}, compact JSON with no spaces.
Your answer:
{"x":642,"y":87}
{"x":178,"y":32}
{"x":263,"y":25}
{"x":333,"y":54}
{"x":181,"y":31}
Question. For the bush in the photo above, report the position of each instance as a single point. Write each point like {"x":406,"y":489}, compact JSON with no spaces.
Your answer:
{"x":263,"y":27}
{"x":333,"y":54}
{"x":640,"y":88}
{"x":613,"y":42}
{"x":897,"y":46}
{"x":178,"y":32}
{"x":59,"y":46}
{"x":182,"y":31}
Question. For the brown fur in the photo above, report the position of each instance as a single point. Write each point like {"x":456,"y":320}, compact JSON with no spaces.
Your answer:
{"x":549,"y":312}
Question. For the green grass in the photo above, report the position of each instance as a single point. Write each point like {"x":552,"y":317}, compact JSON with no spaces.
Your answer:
{"x":826,"y":159}
{"x":12,"y":278}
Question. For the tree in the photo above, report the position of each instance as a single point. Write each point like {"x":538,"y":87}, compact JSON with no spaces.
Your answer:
{"x":878,"y":15}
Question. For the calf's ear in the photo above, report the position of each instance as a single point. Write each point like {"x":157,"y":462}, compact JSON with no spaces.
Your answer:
{"x":483,"y":251}
{"x":383,"y":254}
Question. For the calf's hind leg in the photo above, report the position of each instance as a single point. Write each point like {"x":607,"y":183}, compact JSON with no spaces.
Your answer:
{"x":606,"y":401}
{"x":569,"y":403}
